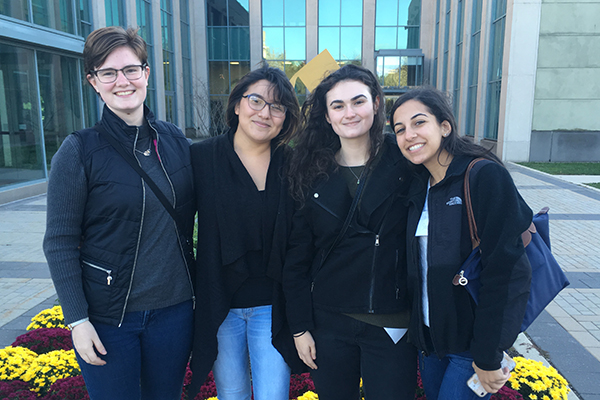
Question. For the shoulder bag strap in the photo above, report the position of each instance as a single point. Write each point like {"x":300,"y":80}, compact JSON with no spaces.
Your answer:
{"x":133,"y":163}
{"x":467,"y":191}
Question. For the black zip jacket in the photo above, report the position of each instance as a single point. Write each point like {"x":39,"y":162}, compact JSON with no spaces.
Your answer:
{"x":365,"y":273}
{"x":456,"y":324}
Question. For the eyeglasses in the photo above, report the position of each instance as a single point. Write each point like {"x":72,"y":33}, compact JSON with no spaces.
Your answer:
{"x":257,"y":103}
{"x":109,"y":75}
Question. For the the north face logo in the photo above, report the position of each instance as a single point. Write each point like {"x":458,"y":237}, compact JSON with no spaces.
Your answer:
{"x":454,"y":201}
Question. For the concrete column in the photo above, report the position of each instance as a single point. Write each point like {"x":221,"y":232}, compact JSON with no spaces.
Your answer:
{"x":98,"y":14}
{"x":256,"y":41}
{"x":312,"y":29}
{"x":158,"y":71}
{"x":464,"y":67}
{"x":199,"y":50}
{"x":519,"y":67}
{"x":368,"y":35}
{"x":178,"y":84}
{"x":427,"y":37}
{"x":130,"y":13}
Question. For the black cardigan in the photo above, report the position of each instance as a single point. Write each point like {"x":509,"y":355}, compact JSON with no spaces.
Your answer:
{"x":223,"y":242}
{"x":456,"y":324}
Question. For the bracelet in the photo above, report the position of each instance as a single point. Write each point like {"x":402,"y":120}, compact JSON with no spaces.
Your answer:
{"x":74,"y":324}
{"x":297,"y":335}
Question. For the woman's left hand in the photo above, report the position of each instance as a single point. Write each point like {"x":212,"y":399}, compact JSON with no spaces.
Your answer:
{"x":492,"y":381}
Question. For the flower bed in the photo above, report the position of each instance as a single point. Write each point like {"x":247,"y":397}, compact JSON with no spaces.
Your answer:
{"x":41,"y":364}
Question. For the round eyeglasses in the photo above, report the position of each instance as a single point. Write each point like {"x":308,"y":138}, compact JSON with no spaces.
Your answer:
{"x":109,"y":75}
{"x":257,"y":103}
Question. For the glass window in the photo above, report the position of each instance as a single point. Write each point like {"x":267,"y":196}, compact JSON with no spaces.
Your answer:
{"x":295,"y":12}
{"x":217,"y":43}
{"x":351,"y":12}
{"x":395,"y":71}
{"x":57,"y":14}
{"x":60,"y":99}
{"x":239,"y":46}
{"x":218,"y":77}
{"x":84,"y":18}
{"x":144,"y":21}
{"x":329,"y":13}
{"x":495,"y":68}
{"x":351,"y":43}
{"x":21,"y":155}
{"x":238,"y":70}
{"x":273,"y":48}
{"x":166,"y":18}
{"x":329,"y":38}
{"x":272,"y":13}
{"x":90,"y":100}
{"x":18,"y":9}
{"x":397,"y":24}
{"x":238,"y":13}
{"x":458,"y":62}
{"x":295,"y":44}
{"x":115,"y":14}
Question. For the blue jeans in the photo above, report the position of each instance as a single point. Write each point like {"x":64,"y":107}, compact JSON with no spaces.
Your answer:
{"x":446,"y":379}
{"x":244,"y":340}
{"x":146,"y":357}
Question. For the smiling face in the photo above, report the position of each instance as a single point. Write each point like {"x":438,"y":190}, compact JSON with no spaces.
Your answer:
{"x":419,"y":134}
{"x":351,"y":110}
{"x":258,"y":126}
{"x":124,"y":97}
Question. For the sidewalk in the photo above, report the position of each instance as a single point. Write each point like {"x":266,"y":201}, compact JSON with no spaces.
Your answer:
{"x":567,"y":333}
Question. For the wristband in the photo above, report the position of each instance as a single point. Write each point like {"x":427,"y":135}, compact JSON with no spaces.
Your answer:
{"x":74,"y":324}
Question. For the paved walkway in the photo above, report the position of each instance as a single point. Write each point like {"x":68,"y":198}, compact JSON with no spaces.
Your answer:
{"x":567,"y":333}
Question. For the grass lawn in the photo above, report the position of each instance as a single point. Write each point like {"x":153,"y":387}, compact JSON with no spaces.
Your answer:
{"x":580,"y":168}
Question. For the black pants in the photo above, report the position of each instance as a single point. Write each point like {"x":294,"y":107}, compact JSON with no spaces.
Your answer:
{"x":348,"y":349}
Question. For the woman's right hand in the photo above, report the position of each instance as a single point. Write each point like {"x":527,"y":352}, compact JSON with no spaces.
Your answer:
{"x":305,"y":345}
{"x":85,"y":339}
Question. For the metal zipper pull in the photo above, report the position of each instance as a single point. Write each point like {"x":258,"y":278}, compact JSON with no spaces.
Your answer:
{"x":109,"y":279}
{"x":312,"y":286}
{"x":460,"y":279}
{"x":376,"y":240}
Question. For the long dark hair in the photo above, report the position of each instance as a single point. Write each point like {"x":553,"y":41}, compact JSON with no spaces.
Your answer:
{"x":283,"y":93}
{"x":316,"y":143}
{"x":440,"y":106}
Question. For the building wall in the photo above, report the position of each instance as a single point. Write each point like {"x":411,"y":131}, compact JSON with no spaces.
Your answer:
{"x":566,"y":121}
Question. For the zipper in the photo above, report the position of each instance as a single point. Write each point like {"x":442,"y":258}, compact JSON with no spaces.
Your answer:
{"x":187,"y":269}
{"x":109,"y":277}
{"x":137,"y":247}
{"x":372,"y":289}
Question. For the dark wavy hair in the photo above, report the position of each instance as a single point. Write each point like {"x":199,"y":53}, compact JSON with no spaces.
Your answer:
{"x":439,"y":105}
{"x":316,"y":143}
{"x":283,"y":93}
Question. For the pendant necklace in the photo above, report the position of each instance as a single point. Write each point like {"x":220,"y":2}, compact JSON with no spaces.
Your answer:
{"x":146,"y":152}
{"x":350,"y":168}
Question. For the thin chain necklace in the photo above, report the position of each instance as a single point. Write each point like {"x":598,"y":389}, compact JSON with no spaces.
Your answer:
{"x":350,"y":168}
{"x":146,"y":152}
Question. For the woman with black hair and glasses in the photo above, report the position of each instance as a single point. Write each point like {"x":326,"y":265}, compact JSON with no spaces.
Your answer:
{"x":244,"y":215}
{"x":115,"y":254}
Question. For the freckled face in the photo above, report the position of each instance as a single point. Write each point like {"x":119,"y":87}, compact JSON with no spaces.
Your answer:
{"x":419,"y":134}
{"x":350,"y":109}
{"x":124,"y":97}
{"x":258,"y":126}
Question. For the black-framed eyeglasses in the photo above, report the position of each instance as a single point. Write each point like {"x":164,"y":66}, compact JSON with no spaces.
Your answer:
{"x":257,"y":103}
{"x":109,"y":75}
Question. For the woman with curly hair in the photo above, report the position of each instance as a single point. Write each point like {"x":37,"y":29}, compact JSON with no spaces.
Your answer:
{"x":344,"y":275}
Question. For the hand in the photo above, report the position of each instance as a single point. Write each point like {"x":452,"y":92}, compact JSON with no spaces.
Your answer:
{"x":492,"y":381}
{"x":305,"y":345}
{"x":85,"y":339}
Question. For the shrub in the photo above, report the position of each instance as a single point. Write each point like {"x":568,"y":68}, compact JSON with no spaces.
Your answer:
{"x":48,"y":318}
{"x":71,"y":388}
{"x":16,"y":390}
{"x":48,"y":368}
{"x":14,"y":362}
{"x":535,"y":381}
{"x":44,"y":340}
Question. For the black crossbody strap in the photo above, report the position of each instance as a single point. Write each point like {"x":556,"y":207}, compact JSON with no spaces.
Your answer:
{"x":134,"y":164}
